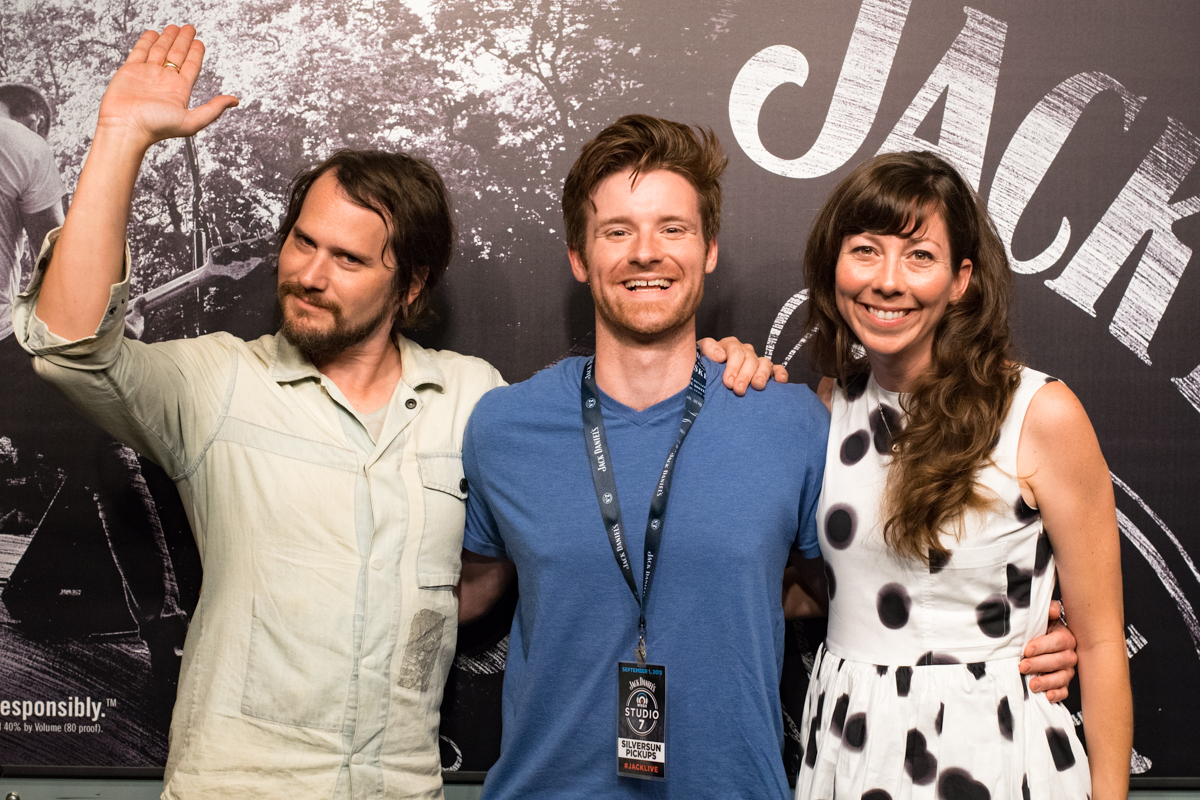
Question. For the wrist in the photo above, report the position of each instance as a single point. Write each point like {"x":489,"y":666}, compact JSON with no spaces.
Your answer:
{"x":117,"y":134}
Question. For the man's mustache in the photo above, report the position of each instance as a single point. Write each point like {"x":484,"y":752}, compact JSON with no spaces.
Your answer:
{"x":312,"y":298}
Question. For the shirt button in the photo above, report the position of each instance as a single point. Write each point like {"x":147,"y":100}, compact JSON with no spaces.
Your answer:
{"x":410,"y":404}
{"x":377,"y":563}
{"x":368,"y":662}
{"x":357,"y":758}
{"x":462,"y":486}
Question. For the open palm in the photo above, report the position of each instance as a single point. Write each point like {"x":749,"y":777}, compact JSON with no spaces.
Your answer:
{"x":149,"y":95}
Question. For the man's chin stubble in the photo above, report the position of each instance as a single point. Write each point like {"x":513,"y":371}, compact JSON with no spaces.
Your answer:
{"x":317,"y":344}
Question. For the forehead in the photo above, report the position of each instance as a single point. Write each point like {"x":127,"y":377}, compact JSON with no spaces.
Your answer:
{"x":656,"y":194}
{"x":329,"y":215}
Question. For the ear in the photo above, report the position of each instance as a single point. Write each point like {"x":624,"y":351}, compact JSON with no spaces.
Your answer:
{"x":710,"y":260}
{"x":578,"y":268}
{"x":416,"y":287}
{"x":961,"y":281}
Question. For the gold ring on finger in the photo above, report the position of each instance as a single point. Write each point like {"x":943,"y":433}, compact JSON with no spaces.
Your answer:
{"x":169,"y":64}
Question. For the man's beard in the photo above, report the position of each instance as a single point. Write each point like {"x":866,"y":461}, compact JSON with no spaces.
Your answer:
{"x":322,"y":342}
{"x":645,"y":331}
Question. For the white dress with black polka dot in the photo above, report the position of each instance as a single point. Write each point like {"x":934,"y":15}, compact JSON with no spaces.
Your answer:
{"x":916,"y":692}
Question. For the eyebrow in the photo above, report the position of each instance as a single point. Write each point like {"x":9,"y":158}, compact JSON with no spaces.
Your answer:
{"x":622,"y":220}
{"x":337,"y":251}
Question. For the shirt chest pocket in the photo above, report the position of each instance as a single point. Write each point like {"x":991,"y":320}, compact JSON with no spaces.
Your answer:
{"x":444,"y":493}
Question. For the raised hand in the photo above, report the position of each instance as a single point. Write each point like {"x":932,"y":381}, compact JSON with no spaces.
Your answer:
{"x":148,"y":98}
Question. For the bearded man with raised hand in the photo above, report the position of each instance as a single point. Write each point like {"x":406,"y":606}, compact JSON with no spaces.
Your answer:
{"x":319,"y":467}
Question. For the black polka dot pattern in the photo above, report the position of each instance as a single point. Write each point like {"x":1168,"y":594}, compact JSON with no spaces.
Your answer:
{"x":810,"y":751}
{"x":1025,"y":513}
{"x":893,"y":605}
{"x":978,"y":669}
{"x":1005,"y":718}
{"x":837,"y":720}
{"x":855,"y":447}
{"x":839,"y":526}
{"x":1042,"y":559}
{"x":855,"y":735}
{"x":941,"y":717}
{"x":1024,"y":787}
{"x":1060,"y":749}
{"x":993,"y":616}
{"x":936,"y":658}
{"x":919,"y":763}
{"x":831,"y":580}
{"x":1025,"y":685}
{"x":903,"y":680}
{"x":1020,"y":584}
{"x":881,"y":670}
{"x":857,"y":385}
{"x":957,"y":784}
{"x":938,"y":561}
{"x":885,"y":422}
{"x":876,"y":794}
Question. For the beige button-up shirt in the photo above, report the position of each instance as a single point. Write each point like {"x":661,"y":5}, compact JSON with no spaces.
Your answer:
{"x":326,"y":625}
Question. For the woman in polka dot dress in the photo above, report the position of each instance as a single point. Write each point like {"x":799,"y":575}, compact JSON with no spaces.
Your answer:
{"x":956,"y":484}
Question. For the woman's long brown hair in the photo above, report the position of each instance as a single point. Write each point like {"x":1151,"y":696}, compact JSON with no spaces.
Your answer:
{"x":956,"y":408}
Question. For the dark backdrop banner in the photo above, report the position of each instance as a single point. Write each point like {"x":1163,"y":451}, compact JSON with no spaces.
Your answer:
{"x":1077,"y":121}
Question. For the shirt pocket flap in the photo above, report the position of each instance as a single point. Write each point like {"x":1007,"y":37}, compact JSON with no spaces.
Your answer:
{"x":444,"y":473}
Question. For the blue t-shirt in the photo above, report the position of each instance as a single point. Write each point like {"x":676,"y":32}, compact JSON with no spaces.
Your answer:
{"x":744,"y":492}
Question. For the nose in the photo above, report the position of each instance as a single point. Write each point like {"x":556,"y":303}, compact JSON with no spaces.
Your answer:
{"x":647,"y":250}
{"x":889,"y":278}
{"x":314,"y":271}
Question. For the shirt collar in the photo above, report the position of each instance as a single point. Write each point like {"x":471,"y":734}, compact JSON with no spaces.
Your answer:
{"x":291,"y":364}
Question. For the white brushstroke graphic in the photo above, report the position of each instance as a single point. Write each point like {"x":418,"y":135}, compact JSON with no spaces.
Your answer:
{"x":968,"y":74}
{"x":1157,"y":521}
{"x":1189,"y":387}
{"x":489,"y":662}
{"x":855,"y":99}
{"x":1159,"y":565}
{"x":1033,"y":149}
{"x":1143,"y":205}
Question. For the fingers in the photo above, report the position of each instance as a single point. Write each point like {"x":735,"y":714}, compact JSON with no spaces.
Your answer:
{"x":138,"y":54}
{"x":709,"y":347}
{"x":179,"y":50}
{"x":203,"y":116}
{"x":189,"y":67}
{"x":1052,"y":683}
{"x":780,"y":373}
{"x":739,"y":366}
{"x":762,"y":373}
{"x":160,"y":48}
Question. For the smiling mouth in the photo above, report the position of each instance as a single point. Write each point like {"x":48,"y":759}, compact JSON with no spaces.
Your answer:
{"x":887,"y":315}
{"x":656,"y":285}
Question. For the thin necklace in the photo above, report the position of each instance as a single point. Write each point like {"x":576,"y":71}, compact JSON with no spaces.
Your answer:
{"x":883,"y":418}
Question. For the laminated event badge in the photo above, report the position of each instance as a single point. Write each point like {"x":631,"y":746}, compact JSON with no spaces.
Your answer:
{"x":641,"y":720}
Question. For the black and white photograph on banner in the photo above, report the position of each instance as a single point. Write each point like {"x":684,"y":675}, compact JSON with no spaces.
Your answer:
{"x":1077,"y":122}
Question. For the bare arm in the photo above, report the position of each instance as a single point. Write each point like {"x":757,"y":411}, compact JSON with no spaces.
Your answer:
{"x":39,"y":223}
{"x":484,"y":580}
{"x":1064,"y":471}
{"x":742,"y":367}
{"x":145,"y":102}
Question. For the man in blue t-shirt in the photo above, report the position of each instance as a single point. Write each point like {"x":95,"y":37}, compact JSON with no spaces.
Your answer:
{"x":642,"y":209}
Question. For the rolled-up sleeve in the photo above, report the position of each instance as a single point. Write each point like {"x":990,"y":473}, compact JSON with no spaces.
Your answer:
{"x":160,"y":399}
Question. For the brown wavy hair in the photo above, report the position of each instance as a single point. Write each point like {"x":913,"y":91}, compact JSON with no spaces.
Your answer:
{"x":956,"y":408}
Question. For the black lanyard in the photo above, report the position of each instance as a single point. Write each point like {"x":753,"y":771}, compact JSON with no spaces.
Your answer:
{"x":606,"y":484}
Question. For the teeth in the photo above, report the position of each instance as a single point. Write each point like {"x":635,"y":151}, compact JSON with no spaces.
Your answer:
{"x":657,"y":283}
{"x":886,"y":315}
